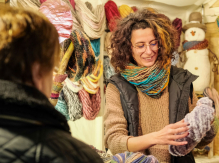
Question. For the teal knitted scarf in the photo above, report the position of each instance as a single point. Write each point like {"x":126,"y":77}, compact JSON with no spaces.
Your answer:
{"x":152,"y":80}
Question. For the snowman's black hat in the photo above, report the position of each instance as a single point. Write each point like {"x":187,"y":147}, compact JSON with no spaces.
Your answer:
{"x":195,"y":20}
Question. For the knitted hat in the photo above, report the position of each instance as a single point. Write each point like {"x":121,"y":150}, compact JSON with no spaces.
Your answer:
{"x":195,"y":20}
{"x":125,"y":10}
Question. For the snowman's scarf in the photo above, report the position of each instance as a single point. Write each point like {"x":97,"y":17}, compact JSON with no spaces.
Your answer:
{"x":195,"y":45}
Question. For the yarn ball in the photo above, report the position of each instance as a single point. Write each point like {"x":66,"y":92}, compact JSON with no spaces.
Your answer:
{"x":177,"y":23}
{"x":200,"y":123}
{"x":112,"y":14}
{"x":125,"y":10}
{"x":132,"y":157}
{"x":91,"y":104}
{"x":59,"y":14}
{"x":134,"y":8}
{"x":73,"y":103}
{"x":61,"y":106}
{"x":96,"y":47}
{"x":82,"y":62}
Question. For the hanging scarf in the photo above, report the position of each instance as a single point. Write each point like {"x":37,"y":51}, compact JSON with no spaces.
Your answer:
{"x":90,"y":103}
{"x":195,"y":45}
{"x":152,"y":80}
{"x":73,"y":103}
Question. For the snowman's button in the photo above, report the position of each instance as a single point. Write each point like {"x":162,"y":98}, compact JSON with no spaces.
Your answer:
{"x":196,"y":68}
{"x":195,"y":51}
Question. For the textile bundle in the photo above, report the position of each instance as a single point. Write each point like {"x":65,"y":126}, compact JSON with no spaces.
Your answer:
{"x":107,"y":43}
{"x":96,"y":47}
{"x":125,"y":10}
{"x":73,"y":103}
{"x":91,"y":82}
{"x":108,"y":69}
{"x":177,"y":23}
{"x":59,"y":14}
{"x":91,"y":104}
{"x":134,"y":8}
{"x":200,"y":123}
{"x":61,"y":106}
{"x":195,"y":45}
{"x":33,"y":4}
{"x":131,"y":157}
{"x":112,"y":14}
{"x":76,"y":20}
{"x":92,"y":21}
{"x":73,"y":86}
{"x":82,"y":62}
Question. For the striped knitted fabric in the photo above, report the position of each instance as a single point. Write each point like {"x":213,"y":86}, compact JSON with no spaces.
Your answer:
{"x":152,"y":80}
{"x":195,"y":45}
{"x":61,"y":106}
{"x":93,"y":21}
{"x":82,"y":61}
{"x":91,"y":104}
{"x":73,"y":103}
{"x":131,"y":157}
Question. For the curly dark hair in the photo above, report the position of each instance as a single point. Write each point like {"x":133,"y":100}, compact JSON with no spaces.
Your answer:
{"x":145,"y":18}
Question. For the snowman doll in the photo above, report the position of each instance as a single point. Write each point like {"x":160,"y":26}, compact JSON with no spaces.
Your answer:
{"x":196,"y":46}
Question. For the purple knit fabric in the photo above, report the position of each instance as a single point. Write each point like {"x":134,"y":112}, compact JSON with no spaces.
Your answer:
{"x":200,"y":123}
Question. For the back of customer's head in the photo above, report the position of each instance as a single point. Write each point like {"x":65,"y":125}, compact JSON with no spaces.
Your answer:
{"x":29,"y":48}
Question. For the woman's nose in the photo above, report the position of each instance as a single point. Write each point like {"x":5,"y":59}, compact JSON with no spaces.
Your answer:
{"x":148,"y":50}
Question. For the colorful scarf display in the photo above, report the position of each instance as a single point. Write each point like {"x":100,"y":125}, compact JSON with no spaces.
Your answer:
{"x":195,"y":45}
{"x":152,"y":80}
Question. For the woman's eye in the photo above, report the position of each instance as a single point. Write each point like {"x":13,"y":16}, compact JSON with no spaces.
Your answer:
{"x":140,"y":46}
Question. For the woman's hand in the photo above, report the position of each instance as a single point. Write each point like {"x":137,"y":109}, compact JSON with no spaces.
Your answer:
{"x":169,"y":134}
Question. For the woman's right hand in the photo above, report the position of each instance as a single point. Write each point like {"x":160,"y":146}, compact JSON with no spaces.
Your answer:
{"x":170,"y":133}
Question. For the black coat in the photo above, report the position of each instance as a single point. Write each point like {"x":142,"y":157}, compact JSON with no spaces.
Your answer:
{"x":32,"y":131}
{"x":180,"y":89}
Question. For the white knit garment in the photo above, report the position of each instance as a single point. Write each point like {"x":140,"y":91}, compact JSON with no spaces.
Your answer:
{"x":200,"y":123}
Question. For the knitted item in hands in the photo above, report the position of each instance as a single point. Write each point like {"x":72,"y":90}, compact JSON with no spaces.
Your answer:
{"x":200,"y":123}
{"x":73,"y":103}
{"x":131,"y":157}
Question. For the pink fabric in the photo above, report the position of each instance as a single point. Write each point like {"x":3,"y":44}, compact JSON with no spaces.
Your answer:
{"x":60,"y":78}
{"x":91,"y":104}
{"x":41,"y":1}
{"x":59,"y":14}
{"x":72,"y":3}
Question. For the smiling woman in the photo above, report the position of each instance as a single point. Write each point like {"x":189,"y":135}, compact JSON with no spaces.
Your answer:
{"x":148,"y":99}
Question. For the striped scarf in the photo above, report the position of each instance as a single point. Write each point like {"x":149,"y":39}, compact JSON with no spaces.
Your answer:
{"x":152,"y":80}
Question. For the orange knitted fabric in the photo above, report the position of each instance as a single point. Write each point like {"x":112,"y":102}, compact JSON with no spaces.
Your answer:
{"x":153,"y":116}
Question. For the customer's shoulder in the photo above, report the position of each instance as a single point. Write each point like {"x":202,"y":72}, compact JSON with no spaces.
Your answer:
{"x":61,"y":143}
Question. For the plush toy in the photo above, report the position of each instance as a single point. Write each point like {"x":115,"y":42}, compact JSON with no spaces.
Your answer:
{"x":200,"y":120}
{"x":196,"y":45}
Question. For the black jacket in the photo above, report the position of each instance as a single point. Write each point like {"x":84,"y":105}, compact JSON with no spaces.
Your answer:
{"x":32,"y":131}
{"x":180,"y":89}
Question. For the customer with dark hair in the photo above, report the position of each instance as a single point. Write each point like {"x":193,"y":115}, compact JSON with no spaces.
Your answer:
{"x":148,"y":99}
{"x":31,"y":130}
